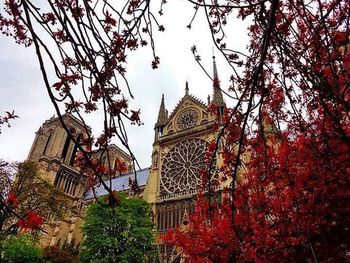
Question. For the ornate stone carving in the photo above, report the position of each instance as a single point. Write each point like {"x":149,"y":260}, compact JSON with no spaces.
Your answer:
{"x":163,"y":153}
{"x":182,"y":167}
{"x":187,"y":118}
{"x":155,"y":157}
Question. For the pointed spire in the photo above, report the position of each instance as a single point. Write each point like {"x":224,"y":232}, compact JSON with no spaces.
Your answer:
{"x":215,"y":70}
{"x":162,"y":114}
{"x":186,"y":88}
{"x":217,"y":94}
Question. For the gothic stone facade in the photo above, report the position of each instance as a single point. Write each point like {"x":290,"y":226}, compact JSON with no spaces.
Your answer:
{"x":169,"y":185}
{"x":179,"y":155}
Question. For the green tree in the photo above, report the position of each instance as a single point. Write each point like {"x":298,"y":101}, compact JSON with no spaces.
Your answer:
{"x":20,"y":249}
{"x":122,"y":233}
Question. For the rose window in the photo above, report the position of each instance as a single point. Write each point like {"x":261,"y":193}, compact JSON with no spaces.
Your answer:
{"x":181,"y":169}
{"x":187,"y":119}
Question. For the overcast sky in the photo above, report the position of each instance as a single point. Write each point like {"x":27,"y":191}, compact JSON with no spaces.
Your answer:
{"x":22,"y":89}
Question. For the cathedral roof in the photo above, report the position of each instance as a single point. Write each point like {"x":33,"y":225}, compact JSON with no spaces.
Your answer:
{"x":120,"y":183}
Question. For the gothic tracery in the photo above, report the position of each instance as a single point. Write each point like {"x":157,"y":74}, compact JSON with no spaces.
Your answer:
{"x":182,"y":166}
{"x":188,"y":118}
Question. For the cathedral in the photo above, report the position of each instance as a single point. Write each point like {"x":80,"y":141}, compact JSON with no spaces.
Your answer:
{"x":169,"y":184}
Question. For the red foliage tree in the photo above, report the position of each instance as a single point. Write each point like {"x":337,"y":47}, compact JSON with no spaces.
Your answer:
{"x":285,"y":143}
{"x":297,"y":207}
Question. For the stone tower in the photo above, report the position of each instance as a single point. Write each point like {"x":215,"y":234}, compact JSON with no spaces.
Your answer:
{"x":55,"y":151}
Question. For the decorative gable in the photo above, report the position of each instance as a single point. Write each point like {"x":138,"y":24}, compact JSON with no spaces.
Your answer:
{"x":190,"y":112}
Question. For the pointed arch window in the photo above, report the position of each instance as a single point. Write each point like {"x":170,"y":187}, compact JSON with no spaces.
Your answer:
{"x":65,"y":147}
{"x":75,"y":149}
{"x":66,"y":144}
{"x":47,"y":143}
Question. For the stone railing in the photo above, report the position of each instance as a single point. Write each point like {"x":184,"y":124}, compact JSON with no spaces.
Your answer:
{"x":181,"y":194}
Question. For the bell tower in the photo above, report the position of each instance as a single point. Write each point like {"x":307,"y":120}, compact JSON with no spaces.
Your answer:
{"x":55,"y":150}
